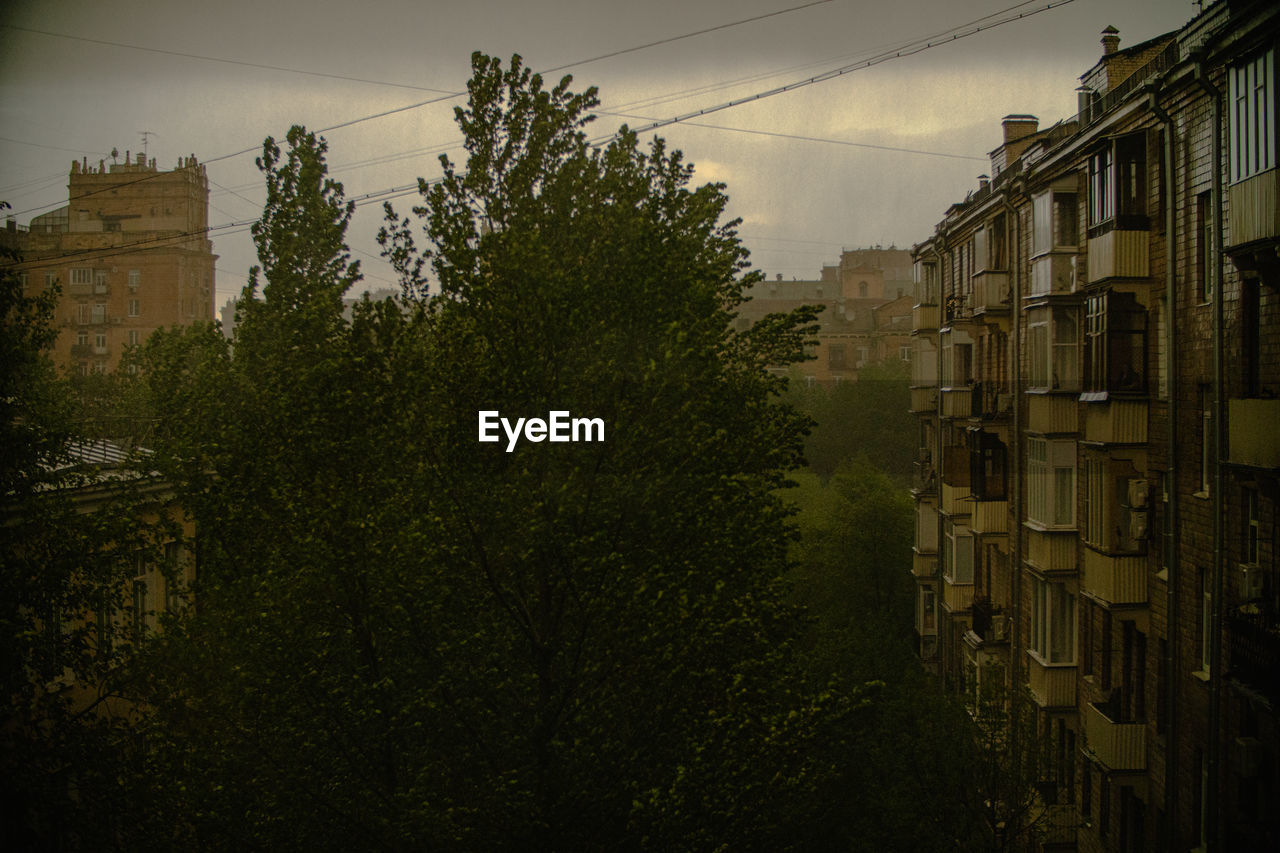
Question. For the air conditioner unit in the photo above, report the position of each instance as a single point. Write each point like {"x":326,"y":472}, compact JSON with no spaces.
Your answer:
{"x":1250,"y":581}
{"x":1137,"y":525}
{"x":1139,"y":493}
{"x":999,"y":628}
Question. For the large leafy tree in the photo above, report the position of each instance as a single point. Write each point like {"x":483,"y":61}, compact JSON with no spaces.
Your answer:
{"x":405,"y":637}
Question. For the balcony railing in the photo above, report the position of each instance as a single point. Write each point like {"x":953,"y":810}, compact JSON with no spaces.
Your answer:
{"x":1253,"y":208}
{"x":1253,"y":641}
{"x":1116,"y":422}
{"x":989,"y":517}
{"x":1119,"y":254}
{"x":990,"y":292}
{"x":958,"y":402}
{"x":924,"y":318}
{"x":1252,"y":432}
{"x":957,"y":596}
{"x":924,"y":399}
{"x":1116,"y":745}
{"x":1099,"y":106}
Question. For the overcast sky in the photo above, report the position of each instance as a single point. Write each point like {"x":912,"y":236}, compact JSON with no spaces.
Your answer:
{"x":73,"y":89}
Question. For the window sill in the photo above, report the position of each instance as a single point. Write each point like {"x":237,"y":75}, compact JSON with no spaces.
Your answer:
{"x":1201,"y":675}
{"x":1204,"y":496}
{"x":1163,"y":575}
{"x":1035,"y":656}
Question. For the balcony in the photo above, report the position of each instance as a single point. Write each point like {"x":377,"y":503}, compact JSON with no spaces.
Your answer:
{"x":1116,"y":422}
{"x":956,"y":596}
{"x":924,"y":477}
{"x":81,"y":350}
{"x":924,"y":318}
{"x":924,"y":400}
{"x":924,"y":564}
{"x":1052,"y":413}
{"x":990,"y":292}
{"x":1115,"y":745}
{"x":1253,"y":645}
{"x":989,"y":517}
{"x":1253,"y":209}
{"x":1119,"y":254}
{"x":1052,"y":686}
{"x":1115,"y":579}
{"x":1051,"y":552}
{"x":1053,"y":274}
{"x":988,"y":622}
{"x":955,"y":500}
{"x":957,"y":402}
{"x":1251,"y":429}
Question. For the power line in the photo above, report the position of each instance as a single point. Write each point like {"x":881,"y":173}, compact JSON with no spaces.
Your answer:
{"x":955,"y":34}
{"x":51,"y":147}
{"x":685,"y":36}
{"x":224,"y":60}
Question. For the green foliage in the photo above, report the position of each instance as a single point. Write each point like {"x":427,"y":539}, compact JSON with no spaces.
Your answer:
{"x":868,"y":418}
{"x":406,"y":638}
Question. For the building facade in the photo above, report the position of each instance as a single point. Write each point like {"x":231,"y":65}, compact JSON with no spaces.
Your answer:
{"x":130,"y":252}
{"x":865,"y":320}
{"x":1096,"y":373}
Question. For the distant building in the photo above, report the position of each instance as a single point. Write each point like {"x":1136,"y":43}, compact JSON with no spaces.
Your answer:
{"x":131,"y":253}
{"x":867,"y":311}
{"x":1097,"y":378}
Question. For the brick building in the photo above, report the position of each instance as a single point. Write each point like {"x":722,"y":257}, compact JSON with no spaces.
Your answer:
{"x":1096,"y":372}
{"x":131,"y":253}
{"x":867,"y":308}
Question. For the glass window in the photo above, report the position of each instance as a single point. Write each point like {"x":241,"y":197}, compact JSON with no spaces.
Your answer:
{"x":1053,"y":348}
{"x":1051,"y":481}
{"x":1251,"y":114}
{"x":1053,"y":622}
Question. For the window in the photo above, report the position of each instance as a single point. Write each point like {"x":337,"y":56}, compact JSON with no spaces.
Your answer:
{"x":864,"y":354}
{"x":862,"y":289}
{"x":957,"y":554}
{"x":1053,"y":222}
{"x":957,"y":359}
{"x":927,"y":528}
{"x":50,"y":279}
{"x":1115,"y":504}
{"x":904,"y":352}
{"x":927,"y":283}
{"x":81,"y":276}
{"x":135,"y":337}
{"x":83,"y":313}
{"x":1118,"y":185}
{"x":1116,"y":351}
{"x":135,"y":278}
{"x":100,"y":281}
{"x":1051,"y":482}
{"x":928,"y":609}
{"x":1053,"y":622}
{"x":1206,"y":440}
{"x":1206,"y":271}
{"x":100,"y":343}
{"x":82,"y":338}
{"x":1206,"y":619}
{"x":924,"y":362}
{"x":988,"y":480}
{"x":1162,"y":351}
{"x":133,"y":308}
{"x":1053,"y":348}
{"x":100,"y":313}
{"x":836,"y":356}
{"x":1249,"y":551}
{"x":979,"y":250}
{"x":1251,"y":99}
{"x":998,"y":258}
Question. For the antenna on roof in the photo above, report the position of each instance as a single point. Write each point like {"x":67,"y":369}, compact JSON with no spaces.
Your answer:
{"x":146,"y":136}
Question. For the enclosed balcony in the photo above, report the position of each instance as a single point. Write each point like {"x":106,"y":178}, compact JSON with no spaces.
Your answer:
{"x":1115,"y":745}
{"x":957,"y":596}
{"x":1255,"y":441}
{"x":955,"y":500}
{"x":1119,"y":254}
{"x":924,"y":400}
{"x":1253,"y":209}
{"x":924,"y":318}
{"x":1052,"y":686}
{"x":990,"y":292}
{"x":1051,"y":552}
{"x":1052,"y":413}
{"x":1053,"y":274}
{"x":1115,"y":579}
{"x":957,"y":402}
{"x":989,"y":517}
{"x":1116,"y":422}
{"x":1253,"y":643}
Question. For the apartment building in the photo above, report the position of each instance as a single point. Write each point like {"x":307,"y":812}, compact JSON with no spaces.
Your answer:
{"x":130,"y":251}
{"x":1096,"y":374}
{"x":866,"y":301}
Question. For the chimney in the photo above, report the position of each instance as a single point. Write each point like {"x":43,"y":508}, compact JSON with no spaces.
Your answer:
{"x":1019,"y":127}
{"x":1110,"y":41}
{"x":142,"y":159}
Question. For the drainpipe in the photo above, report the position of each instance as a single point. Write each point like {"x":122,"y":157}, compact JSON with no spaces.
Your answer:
{"x":1015,"y":469}
{"x":1170,"y":532}
{"x":937,"y":461}
{"x":1213,"y":831}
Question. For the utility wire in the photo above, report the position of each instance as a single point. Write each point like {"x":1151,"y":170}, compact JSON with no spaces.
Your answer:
{"x":203,"y":58}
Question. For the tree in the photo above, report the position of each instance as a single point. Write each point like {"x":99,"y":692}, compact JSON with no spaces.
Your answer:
{"x":407,"y":637}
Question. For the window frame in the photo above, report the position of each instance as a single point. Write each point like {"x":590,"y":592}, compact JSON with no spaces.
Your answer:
{"x":1047,"y":352}
{"x":1051,"y":482}
{"x":1054,"y":634}
{"x":1251,"y":108}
